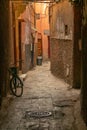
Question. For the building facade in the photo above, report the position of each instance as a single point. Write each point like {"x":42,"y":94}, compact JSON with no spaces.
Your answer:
{"x":4,"y":48}
{"x":65,"y":38}
{"x":84,"y":63}
{"x":42,"y":25}
{"x":23,"y":20}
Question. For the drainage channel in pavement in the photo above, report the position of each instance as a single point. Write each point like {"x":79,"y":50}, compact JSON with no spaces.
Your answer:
{"x":37,"y":114}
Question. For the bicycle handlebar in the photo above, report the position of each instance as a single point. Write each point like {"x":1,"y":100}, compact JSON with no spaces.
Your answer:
{"x":13,"y":70}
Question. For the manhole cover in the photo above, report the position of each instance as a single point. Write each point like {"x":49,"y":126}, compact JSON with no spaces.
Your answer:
{"x":39,"y":114}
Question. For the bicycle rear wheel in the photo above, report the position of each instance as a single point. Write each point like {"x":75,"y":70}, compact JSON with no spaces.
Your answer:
{"x":16,"y":86}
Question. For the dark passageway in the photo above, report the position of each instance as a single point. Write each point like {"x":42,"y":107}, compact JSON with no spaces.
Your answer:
{"x":43,"y":93}
{"x":31,"y":33}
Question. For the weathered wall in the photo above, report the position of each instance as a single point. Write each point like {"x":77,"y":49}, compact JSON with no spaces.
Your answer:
{"x":62,"y":43}
{"x":77,"y":47}
{"x":61,"y":59}
{"x":4,"y":46}
{"x":65,"y":40}
{"x":17,"y":8}
{"x":84,"y":65}
{"x":28,"y":34}
{"x":84,"y":74}
{"x":23,"y":15}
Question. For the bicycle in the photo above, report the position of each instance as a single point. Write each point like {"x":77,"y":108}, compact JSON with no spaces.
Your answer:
{"x":16,"y":84}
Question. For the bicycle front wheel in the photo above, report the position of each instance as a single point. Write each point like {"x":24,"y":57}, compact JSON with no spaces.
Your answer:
{"x":16,"y":86}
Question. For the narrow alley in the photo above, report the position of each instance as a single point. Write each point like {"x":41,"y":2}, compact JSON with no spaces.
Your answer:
{"x":48,"y":103}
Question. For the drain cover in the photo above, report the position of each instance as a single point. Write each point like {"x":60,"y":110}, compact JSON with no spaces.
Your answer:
{"x":39,"y":114}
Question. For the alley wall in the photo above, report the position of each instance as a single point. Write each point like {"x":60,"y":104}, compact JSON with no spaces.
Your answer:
{"x":4,"y":47}
{"x":62,"y":40}
{"x":84,"y":64}
{"x":65,"y":53}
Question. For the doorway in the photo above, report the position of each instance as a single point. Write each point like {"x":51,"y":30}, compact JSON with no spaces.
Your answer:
{"x":20,"y":46}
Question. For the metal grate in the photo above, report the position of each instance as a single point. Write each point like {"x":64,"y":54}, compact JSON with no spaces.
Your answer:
{"x":39,"y":114}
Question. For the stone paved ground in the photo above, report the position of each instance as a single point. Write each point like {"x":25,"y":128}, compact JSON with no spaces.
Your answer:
{"x":43,"y":93}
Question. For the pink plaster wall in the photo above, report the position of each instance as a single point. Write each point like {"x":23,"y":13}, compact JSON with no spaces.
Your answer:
{"x":43,"y":24}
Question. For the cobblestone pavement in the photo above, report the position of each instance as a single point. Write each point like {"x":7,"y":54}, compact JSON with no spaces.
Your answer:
{"x":47,"y":104}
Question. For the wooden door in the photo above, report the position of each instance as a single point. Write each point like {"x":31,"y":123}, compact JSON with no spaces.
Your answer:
{"x":39,"y":45}
{"x":20,"y":46}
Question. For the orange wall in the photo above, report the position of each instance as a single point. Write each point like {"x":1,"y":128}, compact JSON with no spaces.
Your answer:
{"x":43,"y":24}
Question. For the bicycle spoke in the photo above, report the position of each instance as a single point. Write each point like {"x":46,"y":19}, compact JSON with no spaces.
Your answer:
{"x":16,"y":86}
